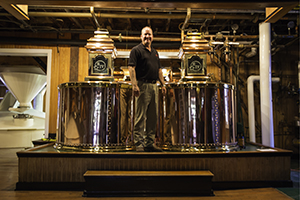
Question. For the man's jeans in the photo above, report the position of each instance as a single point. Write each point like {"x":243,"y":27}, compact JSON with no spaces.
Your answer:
{"x":145,"y":109}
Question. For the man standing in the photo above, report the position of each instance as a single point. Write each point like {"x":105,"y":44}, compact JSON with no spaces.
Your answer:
{"x":145,"y":69}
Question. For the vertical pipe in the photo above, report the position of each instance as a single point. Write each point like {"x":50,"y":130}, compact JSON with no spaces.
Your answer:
{"x":299,"y":76}
{"x":234,"y":102}
{"x":187,"y":18}
{"x":251,"y":107}
{"x":230,"y":73}
{"x":226,"y":50}
{"x":95,"y":18}
{"x":298,"y":85}
{"x":266,"y":84}
{"x":205,"y":107}
{"x":251,"y":104}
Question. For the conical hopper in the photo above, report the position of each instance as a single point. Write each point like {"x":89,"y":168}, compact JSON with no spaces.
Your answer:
{"x":24,"y":86}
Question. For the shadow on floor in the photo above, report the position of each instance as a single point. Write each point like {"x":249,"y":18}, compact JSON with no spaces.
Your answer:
{"x":293,"y":192}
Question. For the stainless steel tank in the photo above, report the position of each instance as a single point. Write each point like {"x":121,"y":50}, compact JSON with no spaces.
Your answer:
{"x":197,"y":116}
{"x":94,"y":116}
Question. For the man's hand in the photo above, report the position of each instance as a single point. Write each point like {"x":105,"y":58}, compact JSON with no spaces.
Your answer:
{"x":164,"y":90}
{"x":136,"y":90}
{"x":162,"y":82}
{"x":135,"y":87}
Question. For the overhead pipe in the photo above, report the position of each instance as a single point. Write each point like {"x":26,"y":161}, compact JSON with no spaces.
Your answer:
{"x":265,"y":66}
{"x":219,"y":42}
{"x":54,"y":42}
{"x":164,"y":41}
{"x":160,"y":39}
{"x":251,"y":104}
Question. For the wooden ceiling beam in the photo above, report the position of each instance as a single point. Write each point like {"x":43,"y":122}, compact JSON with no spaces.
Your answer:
{"x":275,"y":14}
{"x":203,"y":4}
{"x":18,"y":11}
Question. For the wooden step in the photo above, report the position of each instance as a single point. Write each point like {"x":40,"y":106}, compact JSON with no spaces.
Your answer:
{"x":148,"y":183}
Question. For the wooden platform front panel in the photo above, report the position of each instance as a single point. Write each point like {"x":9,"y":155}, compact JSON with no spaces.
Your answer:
{"x":227,"y":167}
{"x":71,"y":169}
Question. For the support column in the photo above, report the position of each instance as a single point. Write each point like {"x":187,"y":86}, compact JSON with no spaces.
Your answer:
{"x":266,"y":84}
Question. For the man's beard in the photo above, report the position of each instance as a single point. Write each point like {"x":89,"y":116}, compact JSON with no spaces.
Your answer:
{"x":147,"y":41}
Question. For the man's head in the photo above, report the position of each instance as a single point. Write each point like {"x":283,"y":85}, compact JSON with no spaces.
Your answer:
{"x":147,"y":36}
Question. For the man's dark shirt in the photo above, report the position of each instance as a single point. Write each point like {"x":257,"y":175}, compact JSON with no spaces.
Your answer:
{"x":146,"y":63}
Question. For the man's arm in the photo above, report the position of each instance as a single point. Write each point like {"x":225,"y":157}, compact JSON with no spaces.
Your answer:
{"x":135,"y":88}
{"x":161,"y":77}
{"x":161,"y":80}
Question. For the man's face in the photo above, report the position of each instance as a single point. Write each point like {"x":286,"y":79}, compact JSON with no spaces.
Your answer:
{"x":146,"y":36}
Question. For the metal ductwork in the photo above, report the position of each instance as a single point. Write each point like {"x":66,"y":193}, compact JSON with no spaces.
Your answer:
{"x":251,"y":53}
